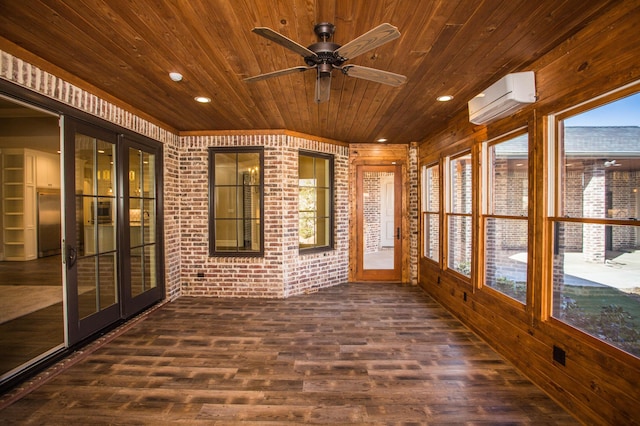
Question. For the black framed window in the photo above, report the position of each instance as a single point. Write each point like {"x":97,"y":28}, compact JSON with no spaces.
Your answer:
{"x":315,"y":177}
{"x":236,"y":177}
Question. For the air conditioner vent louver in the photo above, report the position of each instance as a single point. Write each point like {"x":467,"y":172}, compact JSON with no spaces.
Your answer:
{"x":503,"y":98}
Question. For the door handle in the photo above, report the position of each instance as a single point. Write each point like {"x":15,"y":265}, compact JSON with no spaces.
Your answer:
{"x":397,"y":233}
{"x":72,"y":256}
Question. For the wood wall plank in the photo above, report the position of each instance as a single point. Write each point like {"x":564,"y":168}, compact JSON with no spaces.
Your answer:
{"x":598,"y":383}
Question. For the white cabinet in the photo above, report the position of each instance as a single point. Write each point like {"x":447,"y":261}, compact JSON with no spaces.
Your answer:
{"x":48,"y":170}
{"x":19,"y":232}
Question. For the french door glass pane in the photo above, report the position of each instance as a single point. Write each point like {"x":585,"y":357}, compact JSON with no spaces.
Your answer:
{"x":378,"y":220}
{"x":95,"y":191}
{"x":150,"y":267}
{"x":137,"y":274}
{"x":107,"y":280}
{"x":135,"y":222}
{"x":149,"y":173}
{"x":149,"y":221}
{"x":87,"y":294}
{"x":142,"y":221}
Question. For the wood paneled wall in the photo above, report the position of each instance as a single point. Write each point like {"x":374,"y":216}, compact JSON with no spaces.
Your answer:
{"x":598,"y":384}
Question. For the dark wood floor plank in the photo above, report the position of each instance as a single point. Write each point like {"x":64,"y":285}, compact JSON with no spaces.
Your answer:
{"x":352,"y":354}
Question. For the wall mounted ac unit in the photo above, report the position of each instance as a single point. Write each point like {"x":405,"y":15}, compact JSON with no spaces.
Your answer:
{"x":503,"y":98}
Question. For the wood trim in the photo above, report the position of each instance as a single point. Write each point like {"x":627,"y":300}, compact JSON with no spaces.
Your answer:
{"x":378,"y":155}
{"x":400,"y":259}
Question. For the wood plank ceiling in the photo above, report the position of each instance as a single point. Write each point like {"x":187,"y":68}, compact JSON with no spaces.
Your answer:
{"x":127,"y":48}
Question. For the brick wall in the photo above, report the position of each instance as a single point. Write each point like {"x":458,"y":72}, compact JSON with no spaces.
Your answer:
{"x":371,"y":182}
{"x":282,"y":271}
{"x":414,"y":231}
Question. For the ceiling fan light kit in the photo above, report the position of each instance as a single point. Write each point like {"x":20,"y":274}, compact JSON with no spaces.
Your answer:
{"x":324,"y":56}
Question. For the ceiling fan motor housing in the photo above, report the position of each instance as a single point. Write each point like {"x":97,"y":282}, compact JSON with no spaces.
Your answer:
{"x":325,"y":52}
{"x":326,"y":57}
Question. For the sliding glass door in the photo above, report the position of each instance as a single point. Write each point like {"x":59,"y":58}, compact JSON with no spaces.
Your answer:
{"x":111,"y":242}
{"x":91,"y":246}
{"x":141,"y":242}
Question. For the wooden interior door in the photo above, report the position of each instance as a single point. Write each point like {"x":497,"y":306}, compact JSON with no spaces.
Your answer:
{"x":378,"y":223}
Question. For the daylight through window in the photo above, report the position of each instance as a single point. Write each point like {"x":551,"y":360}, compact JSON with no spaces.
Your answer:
{"x":596,"y":255}
{"x":505,"y":216}
{"x":431,"y":212}
{"x":315,"y":174}
{"x":459,"y":215}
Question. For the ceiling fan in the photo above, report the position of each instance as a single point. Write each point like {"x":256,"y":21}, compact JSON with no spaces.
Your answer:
{"x":325,"y":56}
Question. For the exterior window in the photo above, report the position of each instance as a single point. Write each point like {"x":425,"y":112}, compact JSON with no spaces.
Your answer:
{"x":235,"y":201}
{"x":505,"y":220}
{"x":459,"y":215}
{"x":431,"y":212}
{"x":596,"y":223}
{"x":315,"y":205}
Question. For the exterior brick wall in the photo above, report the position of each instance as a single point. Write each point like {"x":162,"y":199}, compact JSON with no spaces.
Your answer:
{"x":593,"y":191}
{"x":172,"y":219}
{"x":283,"y":271}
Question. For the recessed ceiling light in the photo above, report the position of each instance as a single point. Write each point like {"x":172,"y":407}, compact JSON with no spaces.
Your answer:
{"x":202,"y":99}
{"x":381,"y":140}
{"x":175,"y":76}
{"x":444,"y":98}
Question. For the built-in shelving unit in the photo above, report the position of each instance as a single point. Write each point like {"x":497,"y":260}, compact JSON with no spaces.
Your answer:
{"x":19,"y":233}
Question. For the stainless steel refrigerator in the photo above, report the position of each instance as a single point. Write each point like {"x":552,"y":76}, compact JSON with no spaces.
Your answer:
{"x":49,"y":241}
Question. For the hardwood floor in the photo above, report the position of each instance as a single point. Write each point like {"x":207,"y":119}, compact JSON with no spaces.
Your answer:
{"x":351,"y":354}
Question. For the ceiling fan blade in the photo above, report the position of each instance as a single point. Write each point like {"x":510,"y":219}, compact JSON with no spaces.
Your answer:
{"x":323,"y":87}
{"x":372,"y":74}
{"x":283,"y":41}
{"x":277,"y":73}
{"x":378,"y":36}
